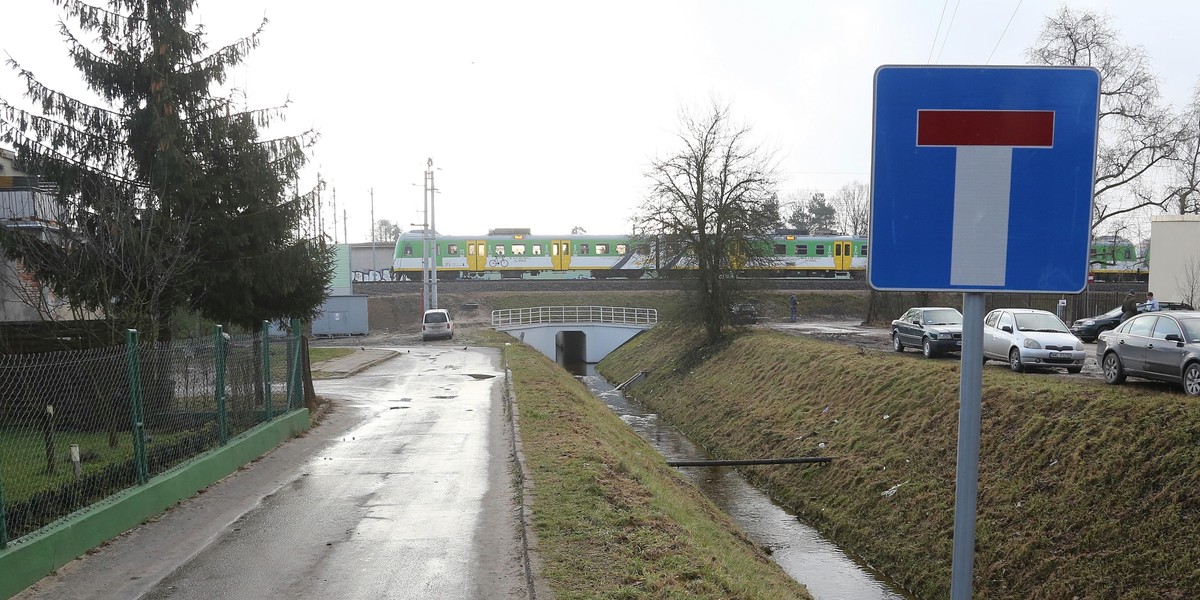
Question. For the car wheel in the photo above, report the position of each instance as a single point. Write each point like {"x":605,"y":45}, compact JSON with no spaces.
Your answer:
{"x":897,"y":345}
{"x":927,"y":348}
{"x":1191,"y":379}
{"x":1014,"y":361}
{"x":1074,"y":370}
{"x":1114,"y":372}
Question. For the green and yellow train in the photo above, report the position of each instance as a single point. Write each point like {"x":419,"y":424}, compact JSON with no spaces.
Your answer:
{"x":518,"y":253}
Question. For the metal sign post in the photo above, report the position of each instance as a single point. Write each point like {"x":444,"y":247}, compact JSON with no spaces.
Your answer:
{"x":977,"y":169}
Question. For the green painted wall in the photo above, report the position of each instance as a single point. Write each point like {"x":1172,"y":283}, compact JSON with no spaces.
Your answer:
{"x":26,"y":561}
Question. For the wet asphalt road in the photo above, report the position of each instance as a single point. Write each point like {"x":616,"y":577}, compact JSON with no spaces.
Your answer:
{"x":405,"y":492}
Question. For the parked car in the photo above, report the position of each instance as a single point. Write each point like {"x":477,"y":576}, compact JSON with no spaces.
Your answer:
{"x":1026,"y":337}
{"x":436,"y":323}
{"x":933,"y":329}
{"x":1164,"y":346}
{"x":1088,"y":329}
{"x":743,"y":314}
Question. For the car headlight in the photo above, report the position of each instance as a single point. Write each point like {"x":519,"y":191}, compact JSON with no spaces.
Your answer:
{"x":933,"y":335}
{"x":1089,"y":322}
{"x":1032,"y":344}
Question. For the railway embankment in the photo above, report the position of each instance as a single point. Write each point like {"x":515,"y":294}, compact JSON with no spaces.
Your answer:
{"x":1086,"y":490}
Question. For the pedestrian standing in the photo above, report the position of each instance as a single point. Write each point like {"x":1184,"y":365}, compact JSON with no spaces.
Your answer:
{"x":1151,"y":304}
{"x":795,"y":307}
{"x":1128,"y":307}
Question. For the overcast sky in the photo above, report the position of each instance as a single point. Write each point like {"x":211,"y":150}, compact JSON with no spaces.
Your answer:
{"x":545,"y":115}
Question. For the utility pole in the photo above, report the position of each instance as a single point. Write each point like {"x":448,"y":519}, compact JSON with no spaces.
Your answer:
{"x":335,"y":241}
{"x":429,"y":238}
{"x":345,"y":227}
{"x":372,"y":234}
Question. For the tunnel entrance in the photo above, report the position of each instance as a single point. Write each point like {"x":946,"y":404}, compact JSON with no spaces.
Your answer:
{"x":571,"y":349}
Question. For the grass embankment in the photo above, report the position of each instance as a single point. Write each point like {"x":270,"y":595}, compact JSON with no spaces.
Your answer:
{"x":612,"y":520}
{"x":1085,"y":490}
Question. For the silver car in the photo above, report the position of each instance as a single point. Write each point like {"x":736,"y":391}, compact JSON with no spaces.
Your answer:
{"x":1026,"y":337}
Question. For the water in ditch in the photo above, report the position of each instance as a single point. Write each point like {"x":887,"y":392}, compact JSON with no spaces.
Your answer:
{"x":809,"y":558}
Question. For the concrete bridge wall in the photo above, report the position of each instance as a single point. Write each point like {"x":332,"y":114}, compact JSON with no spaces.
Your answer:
{"x":600,"y":339}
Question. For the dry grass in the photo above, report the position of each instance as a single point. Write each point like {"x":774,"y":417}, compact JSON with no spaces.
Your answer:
{"x":613,"y":521}
{"x":1086,"y":490}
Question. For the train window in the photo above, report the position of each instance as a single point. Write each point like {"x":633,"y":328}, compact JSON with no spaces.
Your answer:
{"x":452,"y":249}
{"x":837,"y":249}
{"x":801,"y":249}
{"x":601,"y":248}
{"x":408,"y":249}
{"x":470,"y":249}
{"x":780,"y":249}
{"x":864,"y":250}
{"x":499,"y":250}
{"x":820,"y":250}
{"x":583,"y":248}
{"x":622,"y":249}
{"x":1095,"y":251}
{"x":537,"y":249}
{"x":1128,"y":254}
{"x":518,"y":249}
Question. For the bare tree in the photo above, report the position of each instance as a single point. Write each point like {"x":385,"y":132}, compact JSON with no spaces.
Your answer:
{"x":1186,"y":169}
{"x":1137,"y":133}
{"x":1188,"y":282}
{"x":853,"y":205}
{"x":712,"y":200}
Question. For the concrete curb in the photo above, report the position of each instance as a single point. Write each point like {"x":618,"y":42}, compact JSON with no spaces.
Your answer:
{"x":357,"y":368}
{"x":29,"y":559}
{"x":534,"y":584}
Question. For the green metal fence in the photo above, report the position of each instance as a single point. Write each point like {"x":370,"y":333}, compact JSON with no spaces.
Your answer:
{"x":77,"y":427}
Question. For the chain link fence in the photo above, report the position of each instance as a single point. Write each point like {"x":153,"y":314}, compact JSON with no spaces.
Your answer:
{"x":77,"y":427}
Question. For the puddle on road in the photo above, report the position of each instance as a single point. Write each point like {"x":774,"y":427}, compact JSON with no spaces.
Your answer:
{"x":827,"y":571}
{"x":478,"y":376}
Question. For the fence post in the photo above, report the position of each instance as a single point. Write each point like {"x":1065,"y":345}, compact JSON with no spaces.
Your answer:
{"x":295,"y":391}
{"x":133,"y":360}
{"x":3,"y":519}
{"x":266,"y":367}
{"x":219,"y":384}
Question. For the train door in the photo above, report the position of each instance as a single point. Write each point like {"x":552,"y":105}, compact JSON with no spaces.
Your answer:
{"x":842,"y":252}
{"x":560,"y":254}
{"x":476,"y":255}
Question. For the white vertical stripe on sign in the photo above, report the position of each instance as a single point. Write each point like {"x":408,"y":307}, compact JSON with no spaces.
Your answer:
{"x":979,"y":247}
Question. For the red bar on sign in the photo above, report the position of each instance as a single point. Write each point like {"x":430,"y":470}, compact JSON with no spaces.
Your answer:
{"x":1014,"y":128}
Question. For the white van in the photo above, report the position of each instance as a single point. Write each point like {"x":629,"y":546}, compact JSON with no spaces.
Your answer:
{"x":436,"y":323}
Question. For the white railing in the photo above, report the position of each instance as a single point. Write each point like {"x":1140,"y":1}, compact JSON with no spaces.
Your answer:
{"x":539,"y":315}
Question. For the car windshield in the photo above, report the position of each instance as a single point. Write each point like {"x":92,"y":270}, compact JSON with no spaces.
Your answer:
{"x":945,"y":316}
{"x":1191,"y":329}
{"x":1039,"y":322}
{"x":436,"y":317}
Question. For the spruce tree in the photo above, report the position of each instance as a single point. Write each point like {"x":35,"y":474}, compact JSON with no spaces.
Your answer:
{"x":170,"y":198}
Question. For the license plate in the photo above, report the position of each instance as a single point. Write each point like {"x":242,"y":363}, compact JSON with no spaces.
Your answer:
{"x":1060,"y":355}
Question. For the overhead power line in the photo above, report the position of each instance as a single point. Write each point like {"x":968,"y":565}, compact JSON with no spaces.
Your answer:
{"x":948,"y":28}
{"x":937,"y":31}
{"x":1010,"y":20}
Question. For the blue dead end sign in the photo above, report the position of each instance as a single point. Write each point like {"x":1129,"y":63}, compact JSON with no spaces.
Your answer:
{"x":981,"y":178}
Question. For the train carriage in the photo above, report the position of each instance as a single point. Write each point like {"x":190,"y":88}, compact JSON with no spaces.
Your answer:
{"x":516,"y":253}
